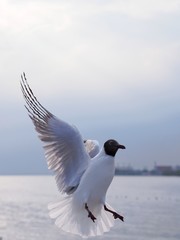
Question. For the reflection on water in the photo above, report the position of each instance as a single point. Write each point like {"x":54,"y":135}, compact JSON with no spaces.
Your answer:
{"x":150,"y":205}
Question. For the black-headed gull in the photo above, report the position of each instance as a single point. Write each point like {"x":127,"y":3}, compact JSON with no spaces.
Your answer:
{"x":83,"y":173}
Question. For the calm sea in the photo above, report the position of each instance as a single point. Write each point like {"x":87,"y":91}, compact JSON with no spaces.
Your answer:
{"x":150,"y":206}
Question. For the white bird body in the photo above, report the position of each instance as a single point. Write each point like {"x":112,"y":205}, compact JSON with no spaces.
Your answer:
{"x":91,"y":190}
{"x":82,"y":172}
{"x":96,"y":179}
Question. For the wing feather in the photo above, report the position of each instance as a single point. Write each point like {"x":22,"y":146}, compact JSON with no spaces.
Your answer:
{"x":64,"y":147}
{"x":92,"y":147}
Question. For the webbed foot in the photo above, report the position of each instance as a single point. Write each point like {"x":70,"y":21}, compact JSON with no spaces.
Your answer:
{"x":115,"y":214}
{"x":90,"y":215}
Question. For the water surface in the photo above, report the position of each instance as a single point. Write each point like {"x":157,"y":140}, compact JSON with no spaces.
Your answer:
{"x":150,"y":206}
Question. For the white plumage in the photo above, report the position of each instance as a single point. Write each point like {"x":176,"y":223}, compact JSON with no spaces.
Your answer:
{"x":92,"y":147}
{"x":83,"y":173}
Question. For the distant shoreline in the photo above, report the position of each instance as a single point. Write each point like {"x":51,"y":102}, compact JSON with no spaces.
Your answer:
{"x":158,"y":170}
{"x":116,"y":174}
{"x":154,"y":172}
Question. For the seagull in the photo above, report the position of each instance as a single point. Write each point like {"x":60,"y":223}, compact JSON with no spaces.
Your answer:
{"x":83,"y":171}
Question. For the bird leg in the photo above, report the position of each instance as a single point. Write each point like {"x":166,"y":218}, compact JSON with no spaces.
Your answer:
{"x":115,"y":214}
{"x":90,"y":215}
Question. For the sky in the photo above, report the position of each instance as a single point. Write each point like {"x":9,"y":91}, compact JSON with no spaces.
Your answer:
{"x":109,"y":67}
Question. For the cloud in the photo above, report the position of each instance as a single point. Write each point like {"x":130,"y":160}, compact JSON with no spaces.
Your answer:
{"x":85,"y":46}
{"x":140,"y":9}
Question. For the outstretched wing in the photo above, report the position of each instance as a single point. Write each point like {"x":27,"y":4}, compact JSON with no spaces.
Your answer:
{"x":64,"y":147}
{"x":92,"y":147}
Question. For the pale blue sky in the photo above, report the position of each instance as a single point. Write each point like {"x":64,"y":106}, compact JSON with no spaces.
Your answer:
{"x":110,"y":67}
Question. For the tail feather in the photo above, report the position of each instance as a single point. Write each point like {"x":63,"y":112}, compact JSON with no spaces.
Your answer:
{"x":74,"y":219}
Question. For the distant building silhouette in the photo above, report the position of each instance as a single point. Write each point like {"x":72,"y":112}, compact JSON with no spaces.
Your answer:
{"x":163,"y":169}
{"x":158,"y":170}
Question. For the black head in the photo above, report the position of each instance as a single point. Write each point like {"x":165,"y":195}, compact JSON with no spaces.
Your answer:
{"x":111,"y":147}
